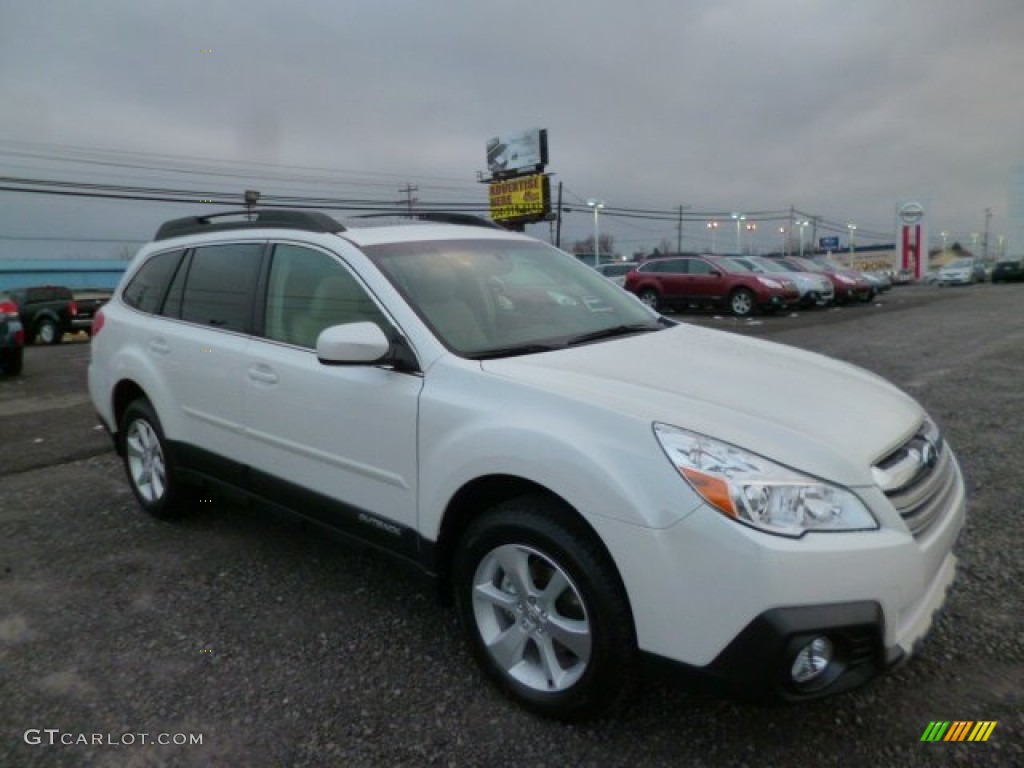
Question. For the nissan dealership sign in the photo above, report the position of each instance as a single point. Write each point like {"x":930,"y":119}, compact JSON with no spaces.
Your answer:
{"x":911,"y":213}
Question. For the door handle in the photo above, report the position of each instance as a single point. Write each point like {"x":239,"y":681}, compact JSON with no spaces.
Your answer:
{"x":159,"y":346}
{"x":262,"y":373}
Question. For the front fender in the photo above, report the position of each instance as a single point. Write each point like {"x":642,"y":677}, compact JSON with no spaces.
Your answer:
{"x":599,"y":461}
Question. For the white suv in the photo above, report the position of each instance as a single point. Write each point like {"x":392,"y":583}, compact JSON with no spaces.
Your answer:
{"x":594,"y":483}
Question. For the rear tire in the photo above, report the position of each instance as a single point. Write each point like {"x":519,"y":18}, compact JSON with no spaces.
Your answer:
{"x":47,"y":332}
{"x":543,"y":609}
{"x":650,"y":297}
{"x":146,"y":461}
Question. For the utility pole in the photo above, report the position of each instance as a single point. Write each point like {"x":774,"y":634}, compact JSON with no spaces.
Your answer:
{"x":679,"y":233}
{"x":558,"y":228}
{"x":407,"y":190}
{"x":984,"y":243}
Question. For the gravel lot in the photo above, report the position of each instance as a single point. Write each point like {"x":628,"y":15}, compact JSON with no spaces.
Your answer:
{"x":279,"y":646}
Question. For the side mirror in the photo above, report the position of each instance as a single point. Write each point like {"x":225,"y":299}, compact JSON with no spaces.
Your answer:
{"x":361,"y":343}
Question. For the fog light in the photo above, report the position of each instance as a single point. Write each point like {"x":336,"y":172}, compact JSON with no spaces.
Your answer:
{"x":812,"y":660}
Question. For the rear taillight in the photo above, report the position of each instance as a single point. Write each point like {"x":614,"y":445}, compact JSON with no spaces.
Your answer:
{"x":97,"y":322}
{"x":72,"y":308}
{"x":8,"y":310}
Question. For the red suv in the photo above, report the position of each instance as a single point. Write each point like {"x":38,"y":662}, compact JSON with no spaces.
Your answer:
{"x":679,"y":281}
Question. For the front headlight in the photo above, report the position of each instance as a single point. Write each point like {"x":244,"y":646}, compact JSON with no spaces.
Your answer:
{"x":846,"y":280}
{"x":758,"y":492}
{"x":768,"y":282}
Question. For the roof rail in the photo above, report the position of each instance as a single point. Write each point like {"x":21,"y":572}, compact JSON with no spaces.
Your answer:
{"x":279,"y":218}
{"x":439,"y":217}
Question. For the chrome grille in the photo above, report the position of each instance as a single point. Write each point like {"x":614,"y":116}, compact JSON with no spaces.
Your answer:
{"x":920,"y":479}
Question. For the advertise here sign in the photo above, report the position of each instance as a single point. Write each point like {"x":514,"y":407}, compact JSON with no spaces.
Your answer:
{"x":522,"y":199}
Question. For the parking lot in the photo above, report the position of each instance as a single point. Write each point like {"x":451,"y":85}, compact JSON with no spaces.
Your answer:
{"x":278,"y":646}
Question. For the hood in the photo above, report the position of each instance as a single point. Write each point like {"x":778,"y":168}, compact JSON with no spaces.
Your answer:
{"x":804,"y":410}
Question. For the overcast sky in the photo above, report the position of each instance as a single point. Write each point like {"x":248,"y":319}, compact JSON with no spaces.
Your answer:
{"x":842,"y":108}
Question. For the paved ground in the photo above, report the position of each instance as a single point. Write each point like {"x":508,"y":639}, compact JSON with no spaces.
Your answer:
{"x":280,"y":647}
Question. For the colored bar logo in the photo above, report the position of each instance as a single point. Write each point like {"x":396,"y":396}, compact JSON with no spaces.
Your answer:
{"x":959,"y":730}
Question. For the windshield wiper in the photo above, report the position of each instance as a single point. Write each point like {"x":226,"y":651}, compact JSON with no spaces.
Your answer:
{"x":608,"y":333}
{"x":512,"y":351}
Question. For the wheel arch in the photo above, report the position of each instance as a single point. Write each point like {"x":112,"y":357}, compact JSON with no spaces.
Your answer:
{"x":125,"y":392}
{"x":478,"y":496}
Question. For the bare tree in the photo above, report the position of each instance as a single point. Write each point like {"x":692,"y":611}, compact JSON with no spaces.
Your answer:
{"x":587,"y":245}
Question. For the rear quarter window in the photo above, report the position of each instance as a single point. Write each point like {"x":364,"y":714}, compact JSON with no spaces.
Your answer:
{"x":146,"y":290}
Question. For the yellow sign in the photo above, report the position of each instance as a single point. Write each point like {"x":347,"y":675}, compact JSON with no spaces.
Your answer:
{"x":519,"y":198}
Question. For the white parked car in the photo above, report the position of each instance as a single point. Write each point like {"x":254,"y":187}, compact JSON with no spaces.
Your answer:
{"x":962,"y":271}
{"x":594,"y":483}
{"x":616,"y":271}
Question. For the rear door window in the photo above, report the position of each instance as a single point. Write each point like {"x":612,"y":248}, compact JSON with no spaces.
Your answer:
{"x":220,"y":286}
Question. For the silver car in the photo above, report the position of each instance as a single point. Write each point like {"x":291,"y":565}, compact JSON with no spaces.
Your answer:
{"x":962,"y":271}
{"x":815,"y":289}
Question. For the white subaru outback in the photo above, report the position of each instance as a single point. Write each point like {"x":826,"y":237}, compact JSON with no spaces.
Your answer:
{"x":593,"y":482}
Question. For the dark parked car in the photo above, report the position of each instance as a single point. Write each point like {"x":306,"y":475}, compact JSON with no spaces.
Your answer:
{"x":12,"y":338}
{"x":680,"y":281}
{"x":87,"y":303}
{"x":47,"y":312}
{"x":1008,"y":272}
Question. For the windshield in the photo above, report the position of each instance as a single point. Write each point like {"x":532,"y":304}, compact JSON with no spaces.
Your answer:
{"x":491,"y":298}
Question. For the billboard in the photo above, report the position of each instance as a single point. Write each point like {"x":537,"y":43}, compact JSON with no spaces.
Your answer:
{"x":517,"y":153}
{"x":523,"y":199}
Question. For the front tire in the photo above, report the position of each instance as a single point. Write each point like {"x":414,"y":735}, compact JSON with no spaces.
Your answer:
{"x":150,"y":473}
{"x":741,"y":302}
{"x":543,"y":609}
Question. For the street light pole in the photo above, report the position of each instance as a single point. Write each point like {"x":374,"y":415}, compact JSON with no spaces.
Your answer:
{"x":739,"y":218}
{"x":852,"y":228}
{"x":802,"y":223}
{"x":713,"y":226}
{"x":597,"y":205}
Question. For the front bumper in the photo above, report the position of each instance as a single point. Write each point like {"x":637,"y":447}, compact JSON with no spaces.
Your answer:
{"x":757,"y":664}
{"x":725,"y":603}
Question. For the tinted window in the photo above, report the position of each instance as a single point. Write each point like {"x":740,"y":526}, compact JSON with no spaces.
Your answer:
{"x":698,"y":267}
{"x":309,"y":291}
{"x":219,"y":286}
{"x":675,"y":266}
{"x":146,"y":290}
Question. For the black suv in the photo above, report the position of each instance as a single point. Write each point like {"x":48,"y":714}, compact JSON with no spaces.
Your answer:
{"x":47,"y":312}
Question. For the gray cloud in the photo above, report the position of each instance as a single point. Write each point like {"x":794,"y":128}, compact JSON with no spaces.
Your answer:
{"x":839,"y":108}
